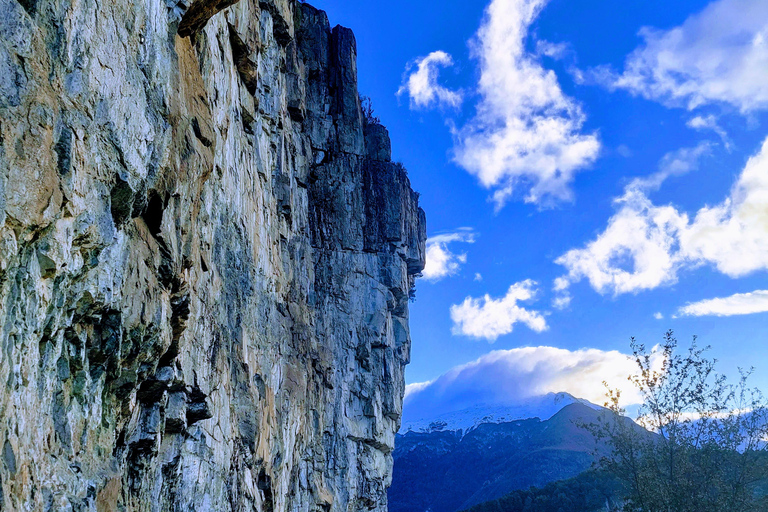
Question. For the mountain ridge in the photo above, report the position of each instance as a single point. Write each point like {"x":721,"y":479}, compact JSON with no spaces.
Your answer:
{"x":445,"y":470}
{"x":538,"y":406}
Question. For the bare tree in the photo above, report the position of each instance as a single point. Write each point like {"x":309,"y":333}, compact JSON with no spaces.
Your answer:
{"x":702,"y":447}
{"x":369,"y":117}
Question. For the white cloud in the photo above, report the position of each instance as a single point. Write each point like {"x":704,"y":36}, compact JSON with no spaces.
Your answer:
{"x":490,"y":318}
{"x":718,"y":55}
{"x":552,"y":50}
{"x":561,"y":301}
{"x":511,"y":376}
{"x":623,"y":150}
{"x":733,"y":235}
{"x":645,"y":246}
{"x":702,"y":123}
{"x":562,"y":297}
{"x":416,"y":387}
{"x":658,"y":316}
{"x":526,"y":132}
{"x":738,"y":304}
{"x":635,"y":252}
{"x":441,"y":261}
{"x":561,"y":284}
{"x":674,"y":163}
{"x":421,"y":85}
{"x":478,"y":276}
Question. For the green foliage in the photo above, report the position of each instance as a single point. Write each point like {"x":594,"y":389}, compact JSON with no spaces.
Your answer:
{"x":708,"y":454}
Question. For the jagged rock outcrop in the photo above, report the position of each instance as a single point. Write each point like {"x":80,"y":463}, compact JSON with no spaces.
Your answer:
{"x":205,"y":261}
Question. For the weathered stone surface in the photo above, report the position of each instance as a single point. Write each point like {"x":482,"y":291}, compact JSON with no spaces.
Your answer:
{"x":205,"y":262}
{"x":198,"y":14}
{"x":377,"y":144}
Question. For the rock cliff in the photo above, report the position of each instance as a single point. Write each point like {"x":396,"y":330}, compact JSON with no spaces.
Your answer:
{"x":206,"y":256}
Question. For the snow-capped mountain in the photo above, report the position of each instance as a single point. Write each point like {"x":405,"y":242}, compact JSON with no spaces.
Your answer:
{"x":447,"y":470}
{"x":542,"y":407}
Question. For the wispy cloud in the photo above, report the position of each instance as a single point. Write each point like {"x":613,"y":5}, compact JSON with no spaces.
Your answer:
{"x":562,"y":297}
{"x":526,"y":134}
{"x":441,"y":260}
{"x":561,"y":301}
{"x":645,"y":245}
{"x":737,"y":304}
{"x":623,"y":150}
{"x":552,"y":50}
{"x":420,"y":83}
{"x":509,"y":376}
{"x":709,"y":122}
{"x":674,"y":163}
{"x":718,"y":55}
{"x":490,"y":318}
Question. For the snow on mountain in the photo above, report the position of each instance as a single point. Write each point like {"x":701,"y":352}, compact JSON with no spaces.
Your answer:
{"x":542,"y":407}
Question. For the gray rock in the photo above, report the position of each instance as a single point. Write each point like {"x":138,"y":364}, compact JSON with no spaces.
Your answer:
{"x":205,"y":261}
{"x":198,"y":14}
{"x":9,"y":458}
{"x":377,"y":144}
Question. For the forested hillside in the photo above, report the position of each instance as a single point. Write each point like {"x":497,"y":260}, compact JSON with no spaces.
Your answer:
{"x":447,"y":471}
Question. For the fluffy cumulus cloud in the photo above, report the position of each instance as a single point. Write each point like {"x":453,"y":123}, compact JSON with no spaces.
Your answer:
{"x":718,"y":55}
{"x":511,"y":376}
{"x":737,"y":304}
{"x":645,"y":245}
{"x":420,"y":83}
{"x":441,"y":260}
{"x":733,"y":236}
{"x":635,"y":252}
{"x":490,"y":318}
{"x":526,"y":133}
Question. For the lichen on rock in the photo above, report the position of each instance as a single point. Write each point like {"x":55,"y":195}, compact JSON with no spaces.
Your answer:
{"x":205,"y":261}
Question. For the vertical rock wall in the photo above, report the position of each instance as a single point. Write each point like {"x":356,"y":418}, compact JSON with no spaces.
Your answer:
{"x":205,"y":261}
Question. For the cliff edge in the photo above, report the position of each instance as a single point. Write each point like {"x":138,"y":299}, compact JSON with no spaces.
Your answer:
{"x":206,"y":256}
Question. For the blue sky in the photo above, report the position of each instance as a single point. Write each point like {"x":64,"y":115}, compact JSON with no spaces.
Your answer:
{"x":590,"y":171}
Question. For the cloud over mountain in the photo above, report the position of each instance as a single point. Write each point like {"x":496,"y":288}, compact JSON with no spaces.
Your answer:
{"x":507,"y":377}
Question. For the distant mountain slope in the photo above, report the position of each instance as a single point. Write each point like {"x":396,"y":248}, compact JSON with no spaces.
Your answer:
{"x":542,"y":407}
{"x":591,"y":491}
{"x":451,"y":470}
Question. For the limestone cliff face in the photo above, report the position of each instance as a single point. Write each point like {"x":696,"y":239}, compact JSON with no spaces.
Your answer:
{"x":205,"y":261}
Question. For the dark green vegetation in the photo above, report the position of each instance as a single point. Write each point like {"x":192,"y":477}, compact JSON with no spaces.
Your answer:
{"x":590,"y":491}
{"x":442,"y":471}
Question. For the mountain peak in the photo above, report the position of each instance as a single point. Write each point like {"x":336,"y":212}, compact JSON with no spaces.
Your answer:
{"x":542,"y":407}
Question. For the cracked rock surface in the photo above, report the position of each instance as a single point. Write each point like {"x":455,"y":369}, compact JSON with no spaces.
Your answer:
{"x":206,"y":257}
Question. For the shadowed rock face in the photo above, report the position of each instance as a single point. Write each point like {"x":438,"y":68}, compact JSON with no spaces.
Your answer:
{"x":205,"y":261}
